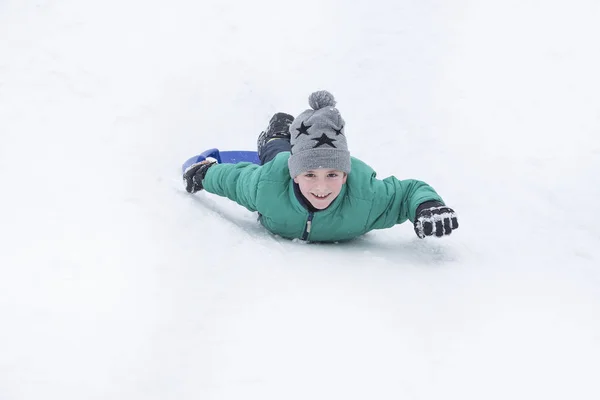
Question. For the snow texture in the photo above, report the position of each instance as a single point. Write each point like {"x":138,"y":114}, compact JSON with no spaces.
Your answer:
{"x":117,"y":284}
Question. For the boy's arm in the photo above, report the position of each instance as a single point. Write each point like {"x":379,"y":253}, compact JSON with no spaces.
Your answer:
{"x":237,"y":182}
{"x":396,"y":201}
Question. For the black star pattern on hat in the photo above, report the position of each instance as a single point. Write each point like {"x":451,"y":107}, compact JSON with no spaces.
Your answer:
{"x":339,"y":132}
{"x":324,"y":139}
{"x":303,"y":130}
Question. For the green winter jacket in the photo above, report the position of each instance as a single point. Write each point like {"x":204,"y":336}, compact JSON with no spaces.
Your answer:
{"x":364,"y":203}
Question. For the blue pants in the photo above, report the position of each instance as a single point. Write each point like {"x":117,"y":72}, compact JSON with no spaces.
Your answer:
{"x":272,"y":148}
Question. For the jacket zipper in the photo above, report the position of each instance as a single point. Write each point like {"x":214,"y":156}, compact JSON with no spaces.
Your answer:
{"x":308,"y":226}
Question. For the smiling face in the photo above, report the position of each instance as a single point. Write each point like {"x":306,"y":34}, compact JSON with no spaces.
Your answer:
{"x":321,"y":186}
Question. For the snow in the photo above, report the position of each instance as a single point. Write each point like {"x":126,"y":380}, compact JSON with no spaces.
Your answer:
{"x":115,"y":283}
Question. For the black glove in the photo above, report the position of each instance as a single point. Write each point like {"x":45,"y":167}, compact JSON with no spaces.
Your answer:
{"x":195,"y":173}
{"x":434,"y":218}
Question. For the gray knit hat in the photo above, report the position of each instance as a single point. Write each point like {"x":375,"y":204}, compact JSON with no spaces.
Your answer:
{"x":317,"y":137}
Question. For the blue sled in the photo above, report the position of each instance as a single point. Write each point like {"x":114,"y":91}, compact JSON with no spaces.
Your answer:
{"x":223,"y":157}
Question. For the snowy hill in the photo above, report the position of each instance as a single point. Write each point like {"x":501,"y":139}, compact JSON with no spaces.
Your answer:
{"x":117,"y":284}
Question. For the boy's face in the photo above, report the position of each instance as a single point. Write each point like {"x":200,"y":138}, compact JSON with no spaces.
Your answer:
{"x":321,"y":186}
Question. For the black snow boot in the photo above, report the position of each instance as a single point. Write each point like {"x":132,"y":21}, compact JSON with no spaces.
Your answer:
{"x":279,"y":128}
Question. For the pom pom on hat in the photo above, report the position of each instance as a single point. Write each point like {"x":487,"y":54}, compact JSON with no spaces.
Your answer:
{"x":321,"y":99}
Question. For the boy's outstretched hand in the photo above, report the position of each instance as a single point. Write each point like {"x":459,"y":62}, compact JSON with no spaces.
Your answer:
{"x":195,"y":173}
{"x":435,"y":219}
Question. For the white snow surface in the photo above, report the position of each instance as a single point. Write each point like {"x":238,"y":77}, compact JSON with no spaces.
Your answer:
{"x":117,"y":284}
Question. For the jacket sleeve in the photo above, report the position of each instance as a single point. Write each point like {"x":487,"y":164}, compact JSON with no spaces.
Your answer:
{"x":396,"y":201}
{"x":237,"y":182}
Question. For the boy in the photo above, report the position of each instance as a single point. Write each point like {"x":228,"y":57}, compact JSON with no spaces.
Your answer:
{"x":309,"y":187}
